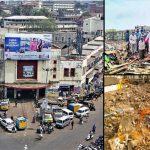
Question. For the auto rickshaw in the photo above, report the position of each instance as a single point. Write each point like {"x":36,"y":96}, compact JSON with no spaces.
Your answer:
{"x":21,"y":123}
{"x":4,"y":104}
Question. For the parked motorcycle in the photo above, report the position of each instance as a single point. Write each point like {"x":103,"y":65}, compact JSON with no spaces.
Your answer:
{"x":83,"y":147}
{"x":40,"y":136}
{"x":50,"y":129}
{"x":90,"y":136}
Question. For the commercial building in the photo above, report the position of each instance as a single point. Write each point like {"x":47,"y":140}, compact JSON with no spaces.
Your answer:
{"x":66,"y":25}
{"x":29,"y":74}
{"x":77,"y":71}
{"x":21,"y":22}
{"x":56,"y":5}
{"x":92,"y":27}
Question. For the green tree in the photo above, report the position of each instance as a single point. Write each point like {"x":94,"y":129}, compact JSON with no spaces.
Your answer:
{"x":41,"y":26}
{"x":86,"y":14}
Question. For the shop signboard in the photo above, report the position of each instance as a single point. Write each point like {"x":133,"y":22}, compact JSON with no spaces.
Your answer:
{"x":28,"y":71}
{"x":27,"y":46}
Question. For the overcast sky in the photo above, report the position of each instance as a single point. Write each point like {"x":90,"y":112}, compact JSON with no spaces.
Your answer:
{"x":126,"y":14}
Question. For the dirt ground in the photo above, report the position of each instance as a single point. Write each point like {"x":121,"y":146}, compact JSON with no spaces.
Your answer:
{"x":125,"y":105}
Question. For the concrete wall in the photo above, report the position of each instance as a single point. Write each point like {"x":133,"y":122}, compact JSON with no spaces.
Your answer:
{"x":78,"y":72}
{"x":1,"y":66}
{"x":110,"y":88}
{"x":10,"y":71}
{"x":92,"y":24}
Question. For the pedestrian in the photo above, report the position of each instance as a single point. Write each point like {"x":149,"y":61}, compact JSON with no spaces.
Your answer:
{"x":96,"y":98}
{"x":148,"y":40}
{"x":15,"y":103}
{"x":141,"y":48}
{"x":94,"y":128}
{"x":132,"y":40}
{"x":72,"y":124}
{"x":33,"y":120}
{"x":127,"y":39}
{"x":138,"y":37}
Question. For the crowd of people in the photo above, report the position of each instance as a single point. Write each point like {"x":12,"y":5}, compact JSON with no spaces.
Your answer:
{"x":138,"y":41}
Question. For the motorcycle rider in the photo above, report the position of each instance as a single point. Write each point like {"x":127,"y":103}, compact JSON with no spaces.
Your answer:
{"x":81,"y":120}
{"x":90,"y":134}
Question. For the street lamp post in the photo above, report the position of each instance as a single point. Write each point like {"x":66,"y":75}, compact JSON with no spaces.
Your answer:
{"x":47,"y":70}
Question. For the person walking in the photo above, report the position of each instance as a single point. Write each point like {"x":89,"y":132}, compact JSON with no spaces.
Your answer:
{"x":16,"y":103}
{"x":141,"y":48}
{"x":72,"y":124}
{"x":94,"y":128}
{"x":132,"y":40}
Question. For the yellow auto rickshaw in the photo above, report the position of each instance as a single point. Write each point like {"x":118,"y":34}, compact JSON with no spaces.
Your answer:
{"x":4,"y":104}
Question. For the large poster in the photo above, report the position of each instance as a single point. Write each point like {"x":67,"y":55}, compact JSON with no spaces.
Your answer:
{"x":28,"y":71}
{"x":27,"y":46}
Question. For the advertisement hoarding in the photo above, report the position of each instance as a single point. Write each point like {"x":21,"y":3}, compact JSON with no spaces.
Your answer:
{"x":27,"y":46}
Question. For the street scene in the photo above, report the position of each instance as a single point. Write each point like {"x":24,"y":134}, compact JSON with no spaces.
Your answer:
{"x":127,"y":112}
{"x":127,"y":38}
{"x":51,"y":78}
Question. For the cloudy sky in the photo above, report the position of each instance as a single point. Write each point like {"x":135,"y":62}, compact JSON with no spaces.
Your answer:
{"x":126,"y":14}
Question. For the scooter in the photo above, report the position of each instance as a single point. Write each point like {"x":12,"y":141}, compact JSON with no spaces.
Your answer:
{"x":40,"y":136}
{"x":83,"y":147}
{"x":90,"y":136}
{"x":50,"y":129}
{"x":81,"y":121}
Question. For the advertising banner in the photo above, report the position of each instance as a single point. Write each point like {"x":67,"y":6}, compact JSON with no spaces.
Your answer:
{"x":28,"y":71}
{"x":27,"y":46}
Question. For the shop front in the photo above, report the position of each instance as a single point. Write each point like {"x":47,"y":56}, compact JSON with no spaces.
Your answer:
{"x":25,"y":91}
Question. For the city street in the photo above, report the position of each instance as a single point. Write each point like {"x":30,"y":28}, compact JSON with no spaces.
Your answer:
{"x":63,"y":139}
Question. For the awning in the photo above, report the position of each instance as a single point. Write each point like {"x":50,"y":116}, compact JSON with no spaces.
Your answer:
{"x":26,"y":86}
{"x":64,"y":86}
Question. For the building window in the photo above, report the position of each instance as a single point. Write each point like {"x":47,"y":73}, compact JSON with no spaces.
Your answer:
{"x":66,"y":72}
{"x":54,"y":69}
{"x":54,"y":76}
{"x":55,"y":61}
{"x":72,"y":72}
{"x":62,"y":39}
{"x":55,"y":38}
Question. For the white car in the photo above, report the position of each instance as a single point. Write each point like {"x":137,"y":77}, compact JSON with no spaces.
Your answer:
{"x":83,"y":111}
{"x":8,"y":124}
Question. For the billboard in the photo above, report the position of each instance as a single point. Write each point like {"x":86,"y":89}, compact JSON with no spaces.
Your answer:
{"x":27,"y":46}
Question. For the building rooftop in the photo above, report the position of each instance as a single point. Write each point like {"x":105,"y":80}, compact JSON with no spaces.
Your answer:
{"x":26,"y":17}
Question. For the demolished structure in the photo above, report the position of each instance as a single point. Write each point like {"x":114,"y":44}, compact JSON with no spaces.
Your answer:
{"x":127,"y":113}
{"x":119,"y":61}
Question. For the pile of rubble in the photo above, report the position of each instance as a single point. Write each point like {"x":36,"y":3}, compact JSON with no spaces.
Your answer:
{"x":127,"y":118}
{"x":119,"y":61}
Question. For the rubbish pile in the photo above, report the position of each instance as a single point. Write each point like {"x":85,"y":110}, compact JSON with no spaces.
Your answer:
{"x":119,"y":61}
{"x":127,"y":118}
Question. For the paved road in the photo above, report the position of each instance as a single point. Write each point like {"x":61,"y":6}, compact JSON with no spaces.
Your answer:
{"x":63,"y":139}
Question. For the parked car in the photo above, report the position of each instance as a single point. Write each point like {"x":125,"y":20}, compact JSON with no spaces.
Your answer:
{"x":68,"y":113}
{"x":63,"y":122}
{"x":57,"y":115}
{"x":8,"y":124}
{"x":83,"y":111}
